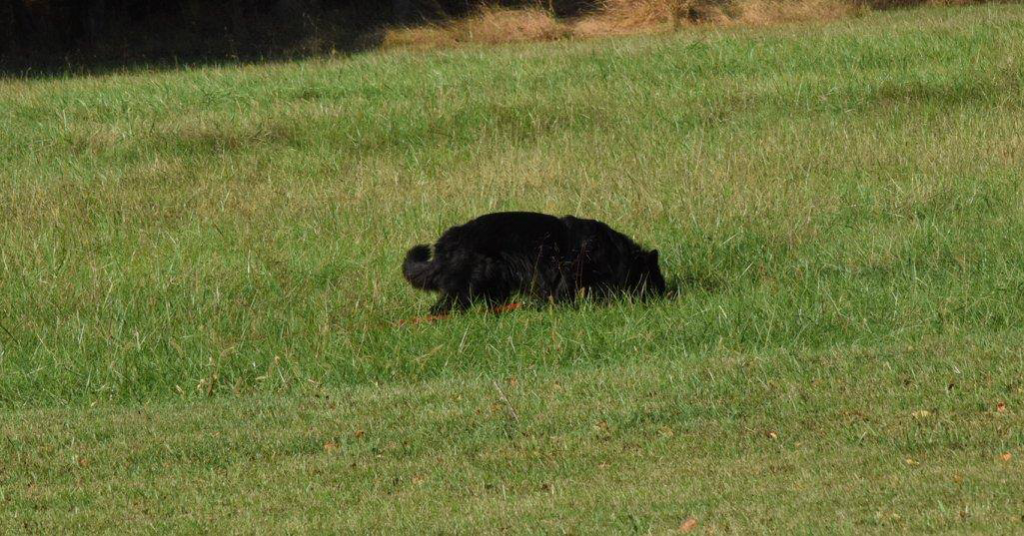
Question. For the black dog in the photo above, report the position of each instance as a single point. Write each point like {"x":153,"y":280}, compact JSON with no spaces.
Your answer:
{"x":496,"y":256}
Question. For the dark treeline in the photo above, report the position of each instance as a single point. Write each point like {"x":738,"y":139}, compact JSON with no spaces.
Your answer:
{"x":68,"y":31}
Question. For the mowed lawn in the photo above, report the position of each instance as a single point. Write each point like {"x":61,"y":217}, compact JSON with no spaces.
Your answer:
{"x":200,"y":284}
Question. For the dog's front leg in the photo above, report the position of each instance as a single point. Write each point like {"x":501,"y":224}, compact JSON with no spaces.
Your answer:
{"x":449,"y":302}
{"x":443,"y":305}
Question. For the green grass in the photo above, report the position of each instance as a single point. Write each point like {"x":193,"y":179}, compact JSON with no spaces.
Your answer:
{"x":199,"y":279}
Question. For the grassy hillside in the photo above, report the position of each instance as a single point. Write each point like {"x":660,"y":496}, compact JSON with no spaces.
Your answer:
{"x":199,"y":280}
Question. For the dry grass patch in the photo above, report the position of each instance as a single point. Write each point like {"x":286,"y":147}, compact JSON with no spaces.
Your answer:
{"x":639,"y":14}
{"x":494,"y":25}
{"x":631,"y":16}
{"x":765,"y":12}
{"x":489,"y":25}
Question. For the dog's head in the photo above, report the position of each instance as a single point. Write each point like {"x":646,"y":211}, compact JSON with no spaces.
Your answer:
{"x":645,"y":274}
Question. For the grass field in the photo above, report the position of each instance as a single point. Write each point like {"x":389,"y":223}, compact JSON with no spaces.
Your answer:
{"x":199,"y":280}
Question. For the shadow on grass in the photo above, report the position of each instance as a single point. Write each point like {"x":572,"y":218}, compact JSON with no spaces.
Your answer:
{"x":676,"y":288}
{"x":170,"y":50}
{"x":95,"y":37}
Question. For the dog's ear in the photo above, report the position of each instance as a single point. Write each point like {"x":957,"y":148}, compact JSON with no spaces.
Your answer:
{"x":653,"y":257}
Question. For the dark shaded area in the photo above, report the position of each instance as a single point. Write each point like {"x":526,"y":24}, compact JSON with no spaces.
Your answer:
{"x":42,"y":37}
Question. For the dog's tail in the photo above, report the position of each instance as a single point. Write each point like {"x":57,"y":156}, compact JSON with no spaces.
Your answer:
{"x":418,"y":270}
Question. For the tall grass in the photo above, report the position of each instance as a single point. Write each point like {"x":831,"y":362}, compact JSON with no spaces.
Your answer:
{"x":199,"y":283}
{"x":240,"y":229}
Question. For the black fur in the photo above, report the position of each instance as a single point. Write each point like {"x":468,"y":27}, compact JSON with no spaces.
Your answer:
{"x":497,"y":256}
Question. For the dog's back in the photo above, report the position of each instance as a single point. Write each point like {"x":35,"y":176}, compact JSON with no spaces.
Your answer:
{"x":505,"y":234}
